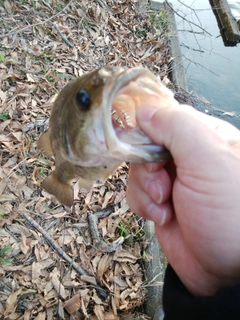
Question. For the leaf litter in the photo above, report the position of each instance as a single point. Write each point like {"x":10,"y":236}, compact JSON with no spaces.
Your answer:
{"x":44,"y":45}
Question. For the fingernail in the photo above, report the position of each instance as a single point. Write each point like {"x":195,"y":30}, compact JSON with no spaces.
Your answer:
{"x":145,"y":113}
{"x":154,"y":189}
{"x":157,"y":214}
{"x":153,"y":167}
{"x":163,"y":220}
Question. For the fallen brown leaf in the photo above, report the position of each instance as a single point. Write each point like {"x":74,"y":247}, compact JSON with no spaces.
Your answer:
{"x":36,"y":62}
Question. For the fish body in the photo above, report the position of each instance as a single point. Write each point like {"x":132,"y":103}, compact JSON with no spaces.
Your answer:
{"x":93,"y":128}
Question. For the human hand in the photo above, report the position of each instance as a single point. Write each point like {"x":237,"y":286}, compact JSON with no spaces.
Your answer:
{"x":194,"y":200}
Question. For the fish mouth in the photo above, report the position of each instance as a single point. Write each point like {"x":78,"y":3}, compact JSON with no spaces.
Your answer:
{"x":122,"y":95}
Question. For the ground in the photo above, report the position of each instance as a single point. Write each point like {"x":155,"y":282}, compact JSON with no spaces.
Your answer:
{"x":45,"y":44}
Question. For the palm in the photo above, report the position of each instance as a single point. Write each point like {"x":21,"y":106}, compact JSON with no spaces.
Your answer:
{"x":196,"y":239}
{"x":194,"y":203}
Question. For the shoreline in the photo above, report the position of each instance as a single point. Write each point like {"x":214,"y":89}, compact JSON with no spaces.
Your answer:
{"x":155,"y":268}
{"x":178,"y":76}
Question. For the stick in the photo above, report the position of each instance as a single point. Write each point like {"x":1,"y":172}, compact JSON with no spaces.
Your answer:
{"x":63,"y":37}
{"x":37,"y":24}
{"x":190,"y":22}
{"x":53,"y":244}
{"x":97,"y":240}
{"x":63,"y":254}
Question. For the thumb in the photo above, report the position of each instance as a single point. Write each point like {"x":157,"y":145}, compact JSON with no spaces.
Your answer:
{"x":186,"y":132}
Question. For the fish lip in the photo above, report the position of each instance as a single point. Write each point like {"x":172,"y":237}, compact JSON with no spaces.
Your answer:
{"x":134,"y":153}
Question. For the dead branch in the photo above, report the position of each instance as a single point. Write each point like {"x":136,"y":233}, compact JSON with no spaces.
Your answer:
{"x":194,"y":11}
{"x":63,"y":37}
{"x":53,"y":244}
{"x":97,"y":240}
{"x":190,"y":31}
{"x":37,"y":24}
{"x":85,"y":277}
{"x":199,"y":65}
{"x":193,"y":49}
{"x":200,"y":49}
{"x":190,"y":22}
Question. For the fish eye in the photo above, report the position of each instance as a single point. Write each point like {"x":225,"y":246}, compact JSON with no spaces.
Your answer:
{"x":83,"y":99}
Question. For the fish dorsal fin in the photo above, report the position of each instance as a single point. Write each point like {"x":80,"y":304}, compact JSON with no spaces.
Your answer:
{"x":63,"y":191}
{"x":44,"y":144}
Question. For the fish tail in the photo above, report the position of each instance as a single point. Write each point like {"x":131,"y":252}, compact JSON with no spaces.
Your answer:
{"x":63,"y":191}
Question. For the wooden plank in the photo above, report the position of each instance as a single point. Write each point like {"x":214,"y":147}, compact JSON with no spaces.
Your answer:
{"x":229,"y":26}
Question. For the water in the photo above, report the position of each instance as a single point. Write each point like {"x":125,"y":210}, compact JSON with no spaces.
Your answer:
{"x":212,"y":70}
{"x":235,"y":8}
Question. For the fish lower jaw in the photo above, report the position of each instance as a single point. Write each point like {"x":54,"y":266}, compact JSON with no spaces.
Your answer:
{"x":102,"y":158}
{"x":140,"y":153}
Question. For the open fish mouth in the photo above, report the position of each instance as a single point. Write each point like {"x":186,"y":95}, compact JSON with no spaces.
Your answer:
{"x":122,"y":96}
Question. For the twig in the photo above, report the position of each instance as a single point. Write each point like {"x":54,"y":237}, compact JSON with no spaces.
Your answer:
{"x":151,"y":282}
{"x":200,"y":48}
{"x":191,"y":31}
{"x":102,"y":4}
{"x":194,"y":11}
{"x":6,"y":287}
{"x":15,"y":167}
{"x":63,"y":37}
{"x":193,"y":49}
{"x":190,"y":22}
{"x":97,"y":240}
{"x":199,"y":65}
{"x":37,"y":24}
{"x":55,"y":246}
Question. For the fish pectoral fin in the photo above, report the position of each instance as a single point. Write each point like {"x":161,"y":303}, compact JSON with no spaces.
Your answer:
{"x":85,"y":184}
{"x":44,"y":144}
{"x":63,"y":191}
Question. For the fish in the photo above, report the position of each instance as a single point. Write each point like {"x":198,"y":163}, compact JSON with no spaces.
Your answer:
{"x":93,"y":127}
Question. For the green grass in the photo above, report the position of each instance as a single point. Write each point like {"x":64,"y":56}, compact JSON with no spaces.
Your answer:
{"x":123,"y":229}
{"x":4,"y":116}
{"x":159,"y":20}
{"x":46,"y":56}
{"x":2,"y":57}
{"x":141,"y":33}
{"x":4,"y":255}
{"x":125,"y":232}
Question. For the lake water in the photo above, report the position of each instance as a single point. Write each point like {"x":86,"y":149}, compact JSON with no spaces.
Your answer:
{"x":235,"y":8}
{"x":212,"y":70}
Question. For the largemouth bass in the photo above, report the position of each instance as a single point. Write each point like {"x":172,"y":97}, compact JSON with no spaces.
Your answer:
{"x":93,"y":127}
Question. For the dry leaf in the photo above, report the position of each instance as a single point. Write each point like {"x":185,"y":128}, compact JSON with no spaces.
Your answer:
{"x":89,"y":279}
{"x":41,"y":316}
{"x":99,"y":312}
{"x":73,"y":304}
{"x":12,"y":301}
{"x":58,"y":286}
{"x":103,"y":265}
{"x":122,"y":255}
{"x":8,"y":6}
{"x":35,"y":65}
